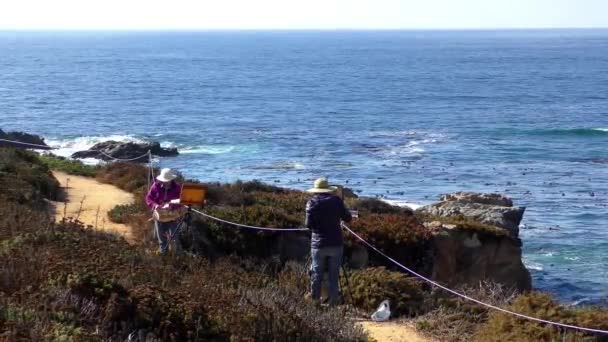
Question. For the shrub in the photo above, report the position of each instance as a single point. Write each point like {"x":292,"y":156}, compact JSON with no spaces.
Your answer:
{"x":127,"y":176}
{"x":69,"y":166}
{"x":239,"y":193}
{"x":504,"y":327}
{"x":369,"y":287}
{"x":245,"y":241}
{"x":24,"y":179}
{"x":454,"y":319}
{"x":121,"y":213}
{"x":376,"y":206}
{"x":401,"y":237}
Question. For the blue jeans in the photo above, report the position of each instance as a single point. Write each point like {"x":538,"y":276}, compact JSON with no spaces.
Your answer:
{"x":322,"y":257}
{"x":162,"y":230}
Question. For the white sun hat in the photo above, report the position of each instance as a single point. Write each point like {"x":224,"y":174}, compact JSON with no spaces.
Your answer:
{"x":321,"y":185}
{"x":166,"y":175}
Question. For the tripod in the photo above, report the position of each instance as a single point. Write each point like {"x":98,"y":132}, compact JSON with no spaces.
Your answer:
{"x":173,"y":237}
{"x":184,"y":223}
{"x":346,"y":285}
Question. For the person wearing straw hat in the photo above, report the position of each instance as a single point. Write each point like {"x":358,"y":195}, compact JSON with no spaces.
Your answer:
{"x":323,"y":214}
{"x":166,"y":214}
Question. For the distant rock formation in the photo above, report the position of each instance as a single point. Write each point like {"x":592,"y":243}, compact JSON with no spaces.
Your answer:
{"x":125,"y":150}
{"x":24,"y":138}
{"x":468,"y":257}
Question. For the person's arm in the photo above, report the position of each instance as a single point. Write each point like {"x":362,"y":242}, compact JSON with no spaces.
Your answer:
{"x":308,"y":222}
{"x":152,"y":197}
{"x":346,"y":216}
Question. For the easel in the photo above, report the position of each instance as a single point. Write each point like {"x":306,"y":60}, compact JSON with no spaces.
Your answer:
{"x":191,"y":194}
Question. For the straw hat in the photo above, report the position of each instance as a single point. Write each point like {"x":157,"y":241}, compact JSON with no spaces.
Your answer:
{"x":166,"y":175}
{"x":322,"y":186}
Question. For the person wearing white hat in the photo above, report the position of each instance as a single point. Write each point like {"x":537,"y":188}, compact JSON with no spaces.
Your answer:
{"x":159,"y":197}
{"x":323,"y":214}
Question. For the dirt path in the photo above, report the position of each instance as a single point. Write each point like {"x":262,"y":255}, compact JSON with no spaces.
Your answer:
{"x":90,"y":201}
{"x":393,"y":332}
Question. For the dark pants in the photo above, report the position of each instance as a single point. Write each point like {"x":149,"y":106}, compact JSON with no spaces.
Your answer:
{"x":163,"y":231}
{"x":332,"y":257}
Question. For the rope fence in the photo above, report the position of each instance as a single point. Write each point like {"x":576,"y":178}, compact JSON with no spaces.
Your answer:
{"x":247,"y":226}
{"x":463,"y":296}
{"x":35,"y":146}
{"x":414,"y":273}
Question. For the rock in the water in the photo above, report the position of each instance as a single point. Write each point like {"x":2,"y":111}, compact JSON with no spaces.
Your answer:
{"x":473,"y":197}
{"x":481,"y":208}
{"x":125,"y":150}
{"x":24,"y":138}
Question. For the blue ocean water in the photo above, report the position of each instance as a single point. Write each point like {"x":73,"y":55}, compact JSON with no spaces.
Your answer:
{"x":404,"y":115}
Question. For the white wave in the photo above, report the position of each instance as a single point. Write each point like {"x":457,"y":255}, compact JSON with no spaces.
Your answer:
{"x":67,"y":146}
{"x":208,"y":149}
{"x":408,"y":149}
{"x":411,"y":134}
{"x":535,"y":266}
{"x":572,"y":258}
{"x":579,"y":302}
{"x":167,"y":144}
{"x":287,"y":165}
{"x":402,"y":203}
{"x":601,"y":129}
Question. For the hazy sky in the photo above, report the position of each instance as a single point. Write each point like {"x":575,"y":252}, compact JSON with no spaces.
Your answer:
{"x":291,"y":14}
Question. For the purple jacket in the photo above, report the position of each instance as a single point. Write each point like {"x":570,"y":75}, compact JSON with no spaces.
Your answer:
{"x":159,"y":194}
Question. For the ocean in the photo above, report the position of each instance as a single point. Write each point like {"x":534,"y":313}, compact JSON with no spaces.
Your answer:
{"x":402,"y":115}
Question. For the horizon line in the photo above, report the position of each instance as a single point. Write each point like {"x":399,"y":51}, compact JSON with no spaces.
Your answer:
{"x":298,"y":29}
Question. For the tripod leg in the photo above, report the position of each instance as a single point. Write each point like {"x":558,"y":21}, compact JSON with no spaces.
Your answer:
{"x":346,"y":280}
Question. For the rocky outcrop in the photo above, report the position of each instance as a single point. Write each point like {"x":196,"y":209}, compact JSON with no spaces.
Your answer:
{"x":467,"y":257}
{"x":24,"y":138}
{"x":125,"y":150}
{"x":490,"y":209}
{"x":473,"y":197}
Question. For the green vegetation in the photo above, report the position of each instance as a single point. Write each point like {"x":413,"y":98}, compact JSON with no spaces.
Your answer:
{"x":503,"y":327}
{"x":122,"y":213}
{"x":126,"y":176}
{"x":62,"y":281}
{"x":466,"y":224}
{"x":373,"y":285}
{"x":24,"y":179}
{"x":69,"y":166}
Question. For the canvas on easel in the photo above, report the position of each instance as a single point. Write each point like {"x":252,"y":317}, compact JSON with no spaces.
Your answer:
{"x":193,"y":194}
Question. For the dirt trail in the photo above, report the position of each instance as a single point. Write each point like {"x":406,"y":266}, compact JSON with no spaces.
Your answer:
{"x":393,"y":332}
{"x":90,"y":201}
